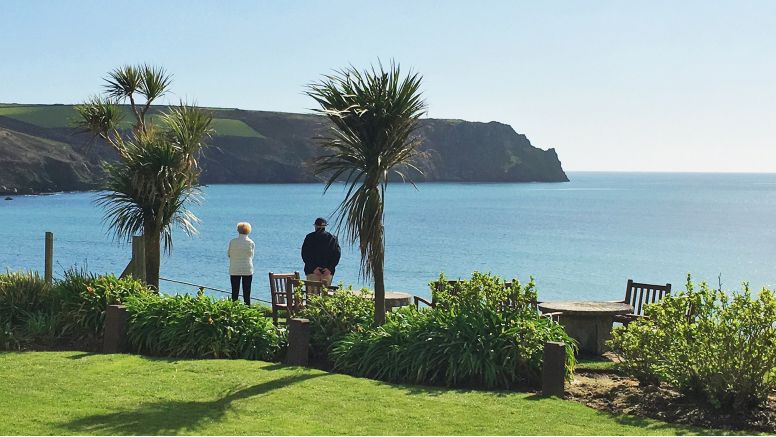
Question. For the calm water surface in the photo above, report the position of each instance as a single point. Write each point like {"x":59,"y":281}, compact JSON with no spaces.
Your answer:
{"x":581,"y":240}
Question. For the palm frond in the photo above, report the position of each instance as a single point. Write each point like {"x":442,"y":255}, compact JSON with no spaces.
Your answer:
{"x":100,"y":116}
{"x":156,"y":179}
{"x":374,"y":115}
{"x":154,"y":82}
{"x":123,"y":82}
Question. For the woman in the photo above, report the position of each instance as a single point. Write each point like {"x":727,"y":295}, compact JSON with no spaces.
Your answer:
{"x":241,"y":262}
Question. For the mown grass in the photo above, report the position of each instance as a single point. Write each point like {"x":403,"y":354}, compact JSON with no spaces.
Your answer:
{"x":79,"y":393}
{"x":62,"y":116}
{"x":595,"y":364}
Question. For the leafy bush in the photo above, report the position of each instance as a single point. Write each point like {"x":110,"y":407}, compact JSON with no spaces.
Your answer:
{"x":332,"y":317}
{"x":481,"y":334}
{"x":22,"y":293}
{"x":200,"y":327}
{"x":265,"y":310}
{"x":708,"y":344}
{"x":84,"y":299}
{"x":41,"y":328}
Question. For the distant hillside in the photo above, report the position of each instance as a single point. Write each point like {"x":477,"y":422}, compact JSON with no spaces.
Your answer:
{"x":41,"y":152}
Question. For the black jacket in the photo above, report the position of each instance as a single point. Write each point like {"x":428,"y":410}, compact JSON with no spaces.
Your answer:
{"x":320,"y":249}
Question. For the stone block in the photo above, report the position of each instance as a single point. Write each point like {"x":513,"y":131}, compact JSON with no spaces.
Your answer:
{"x":114,"y":339}
{"x":298,"y":353}
{"x":554,"y":369}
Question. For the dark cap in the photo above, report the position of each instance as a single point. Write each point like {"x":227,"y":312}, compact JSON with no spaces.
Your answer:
{"x":320,"y":221}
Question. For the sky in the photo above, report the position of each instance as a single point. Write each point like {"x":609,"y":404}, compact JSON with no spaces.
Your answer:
{"x":611,"y":85}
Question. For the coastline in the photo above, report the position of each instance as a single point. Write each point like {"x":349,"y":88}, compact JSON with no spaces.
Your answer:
{"x":569,"y":174}
{"x":94,"y":190}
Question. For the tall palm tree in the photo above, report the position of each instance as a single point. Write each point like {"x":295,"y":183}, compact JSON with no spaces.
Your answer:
{"x":157,"y":174}
{"x":374,"y":113}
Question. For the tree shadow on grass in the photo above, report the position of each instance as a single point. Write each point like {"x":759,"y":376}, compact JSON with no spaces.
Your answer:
{"x":438,"y":390}
{"x":646,"y":423}
{"x":174,"y":417}
{"x":81,"y":355}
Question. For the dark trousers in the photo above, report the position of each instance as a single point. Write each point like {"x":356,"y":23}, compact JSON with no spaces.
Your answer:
{"x":246,"y":283}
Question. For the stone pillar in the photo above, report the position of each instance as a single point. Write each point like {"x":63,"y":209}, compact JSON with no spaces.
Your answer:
{"x":554,"y":369}
{"x":298,"y":342}
{"x":114,"y":339}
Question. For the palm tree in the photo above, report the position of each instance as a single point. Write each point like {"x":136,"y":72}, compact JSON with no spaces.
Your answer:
{"x":157,"y":174}
{"x":374,"y":114}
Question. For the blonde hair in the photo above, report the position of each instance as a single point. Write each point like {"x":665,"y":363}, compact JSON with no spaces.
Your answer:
{"x":244,"y":228}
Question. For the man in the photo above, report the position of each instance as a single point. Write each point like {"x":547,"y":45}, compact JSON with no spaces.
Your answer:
{"x":320,"y":253}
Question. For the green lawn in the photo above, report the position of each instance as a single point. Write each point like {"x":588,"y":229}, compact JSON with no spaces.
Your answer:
{"x":80,"y":393}
{"x":595,"y":365}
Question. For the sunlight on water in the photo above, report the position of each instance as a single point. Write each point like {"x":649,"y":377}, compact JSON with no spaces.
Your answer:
{"x":581,"y":239}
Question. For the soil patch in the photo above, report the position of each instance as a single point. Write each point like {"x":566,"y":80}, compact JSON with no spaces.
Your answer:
{"x":608,"y":391}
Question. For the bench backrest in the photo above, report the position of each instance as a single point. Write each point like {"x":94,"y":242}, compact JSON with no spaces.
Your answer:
{"x":452,"y":288}
{"x":639,"y":295}
{"x":277,"y":286}
{"x":298,"y":301}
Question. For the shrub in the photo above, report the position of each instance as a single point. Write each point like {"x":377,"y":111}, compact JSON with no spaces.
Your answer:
{"x":265,"y":310}
{"x":84,"y":299}
{"x":711,"y":345}
{"x":40,"y":329}
{"x":470,"y":339}
{"x":332,"y":317}
{"x":200,"y":327}
{"x":8,"y":340}
{"x":22,"y":293}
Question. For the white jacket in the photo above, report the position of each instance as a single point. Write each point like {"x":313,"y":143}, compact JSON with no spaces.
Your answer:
{"x":241,"y":256}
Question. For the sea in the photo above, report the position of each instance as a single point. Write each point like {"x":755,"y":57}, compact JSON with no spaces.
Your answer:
{"x":579,"y":240}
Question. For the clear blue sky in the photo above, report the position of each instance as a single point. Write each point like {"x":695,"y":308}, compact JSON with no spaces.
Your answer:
{"x":612,"y":85}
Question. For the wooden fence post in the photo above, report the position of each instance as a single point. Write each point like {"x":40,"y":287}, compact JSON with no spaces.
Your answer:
{"x":138,"y":258}
{"x":114,"y":339}
{"x":49,"y":258}
{"x":554,"y":369}
{"x":298,"y":353}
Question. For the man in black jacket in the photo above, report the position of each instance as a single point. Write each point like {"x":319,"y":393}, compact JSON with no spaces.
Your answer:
{"x":320,"y":253}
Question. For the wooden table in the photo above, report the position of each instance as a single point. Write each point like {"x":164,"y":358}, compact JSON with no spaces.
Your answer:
{"x":588,"y":322}
{"x":393,"y":299}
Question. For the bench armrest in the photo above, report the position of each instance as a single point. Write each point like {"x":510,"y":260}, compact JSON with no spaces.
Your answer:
{"x":553,"y":316}
{"x":419,"y":299}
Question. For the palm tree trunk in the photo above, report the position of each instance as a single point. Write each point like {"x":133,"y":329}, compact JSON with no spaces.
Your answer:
{"x":378,"y":264}
{"x":379,"y":294}
{"x":153,"y":253}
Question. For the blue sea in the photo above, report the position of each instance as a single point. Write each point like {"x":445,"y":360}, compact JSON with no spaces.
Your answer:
{"x":580,"y":240}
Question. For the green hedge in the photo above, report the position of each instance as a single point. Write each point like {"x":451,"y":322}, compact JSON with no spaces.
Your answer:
{"x":83,"y":300}
{"x":201,"y":327}
{"x":332,"y":317}
{"x":22,"y":294}
{"x":36,"y":314}
{"x":717,"y":347}
{"x":470,"y":339}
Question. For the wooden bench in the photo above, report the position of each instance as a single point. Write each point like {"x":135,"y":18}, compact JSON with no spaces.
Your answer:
{"x":638,"y":295}
{"x":278,"y":293}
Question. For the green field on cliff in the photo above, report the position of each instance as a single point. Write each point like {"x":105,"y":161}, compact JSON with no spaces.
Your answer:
{"x":42,"y":151}
{"x":63,"y":116}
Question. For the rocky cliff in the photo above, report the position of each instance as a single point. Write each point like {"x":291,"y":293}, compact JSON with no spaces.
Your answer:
{"x":40,"y":153}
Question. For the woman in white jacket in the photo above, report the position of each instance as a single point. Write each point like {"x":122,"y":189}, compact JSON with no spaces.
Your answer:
{"x":241,"y":262}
